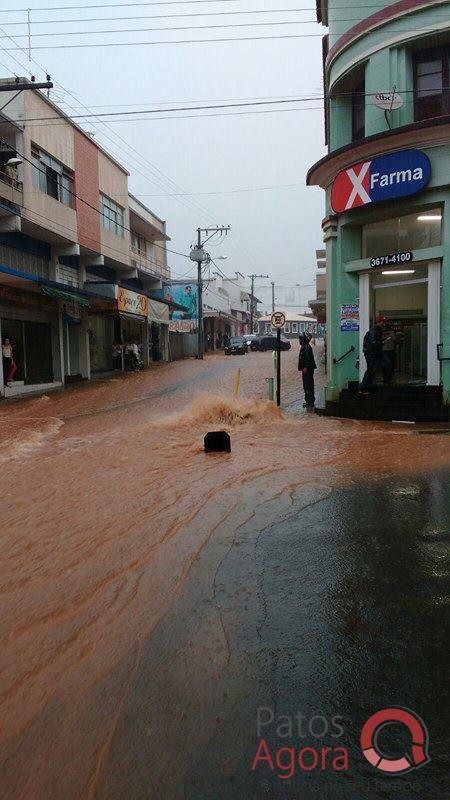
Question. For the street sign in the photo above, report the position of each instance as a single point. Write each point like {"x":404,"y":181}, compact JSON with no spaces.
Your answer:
{"x":388,"y":101}
{"x":392,"y":258}
{"x":398,"y":174}
{"x":278,"y":319}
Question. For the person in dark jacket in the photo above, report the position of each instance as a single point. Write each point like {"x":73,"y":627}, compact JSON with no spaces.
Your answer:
{"x":375,"y":358}
{"x":307,"y":365}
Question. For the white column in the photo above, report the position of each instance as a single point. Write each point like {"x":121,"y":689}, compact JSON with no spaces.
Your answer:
{"x":364,"y":318}
{"x":434,"y":322}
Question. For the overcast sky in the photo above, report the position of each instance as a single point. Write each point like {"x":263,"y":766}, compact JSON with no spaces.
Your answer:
{"x":274,"y":231}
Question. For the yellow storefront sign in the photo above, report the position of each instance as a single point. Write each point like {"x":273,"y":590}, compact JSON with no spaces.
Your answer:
{"x":132,"y":302}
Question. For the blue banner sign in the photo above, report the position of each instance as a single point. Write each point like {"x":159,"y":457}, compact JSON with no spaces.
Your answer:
{"x":398,"y":174}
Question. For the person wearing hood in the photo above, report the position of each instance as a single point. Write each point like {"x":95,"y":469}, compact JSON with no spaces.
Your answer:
{"x":307,"y":365}
{"x":376,"y":360}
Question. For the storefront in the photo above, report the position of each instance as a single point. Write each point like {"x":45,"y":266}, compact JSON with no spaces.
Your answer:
{"x":133,"y":313}
{"x":388,"y":258}
{"x":31,"y":324}
{"x":102,"y":332}
{"x":158,"y":331}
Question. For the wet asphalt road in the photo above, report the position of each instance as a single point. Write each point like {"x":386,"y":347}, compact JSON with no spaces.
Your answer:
{"x":325,"y":602}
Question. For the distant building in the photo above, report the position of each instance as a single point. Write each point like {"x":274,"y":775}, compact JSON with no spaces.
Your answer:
{"x":295,"y":324}
{"x":287,"y":296}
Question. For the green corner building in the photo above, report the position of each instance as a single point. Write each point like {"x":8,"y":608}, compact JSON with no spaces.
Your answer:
{"x":387,"y":184}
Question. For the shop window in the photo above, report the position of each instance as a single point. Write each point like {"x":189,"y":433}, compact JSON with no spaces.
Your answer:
{"x":411,"y":232}
{"x":51,"y":177}
{"x":359,"y":110}
{"x":294,"y":327}
{"x":113,"y":216}
{"x":287,"y":327}
{"x":432,"y":83}
{"x":268,"y":327}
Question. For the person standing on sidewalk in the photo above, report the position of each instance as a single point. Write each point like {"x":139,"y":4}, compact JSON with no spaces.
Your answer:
{"x":375,"y":359}
{"x":307,"y":365}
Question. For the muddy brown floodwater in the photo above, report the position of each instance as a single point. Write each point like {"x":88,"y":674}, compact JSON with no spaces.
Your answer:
{"x":107,"y":503}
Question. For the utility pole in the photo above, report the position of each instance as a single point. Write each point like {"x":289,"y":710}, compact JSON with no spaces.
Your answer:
{"x":199,"y":255}
{"x":251,"y":297}
{"x":273,"y":296}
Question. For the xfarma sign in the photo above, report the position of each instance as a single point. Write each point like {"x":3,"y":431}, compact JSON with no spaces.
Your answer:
{"x":383,"y":178}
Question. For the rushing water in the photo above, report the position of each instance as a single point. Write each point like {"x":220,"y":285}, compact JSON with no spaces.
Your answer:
{"x":109,"y":506}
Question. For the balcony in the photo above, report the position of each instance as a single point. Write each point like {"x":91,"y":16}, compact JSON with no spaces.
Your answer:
{"x":11,"y":196}
{"x":152,"y":266}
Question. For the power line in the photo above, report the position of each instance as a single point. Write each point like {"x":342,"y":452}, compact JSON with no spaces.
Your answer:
{"x":204,"y":116}
{"x":84,"y":20}
{"x":249,"y":103}
{"x":174,"y":41}
{"x":216,"y":100}
{"x":356,"y":6}
{"x":182,"y":108}
{"x":147,"y":30}
{"x":120,"y":5}
{"x":158,"y":16}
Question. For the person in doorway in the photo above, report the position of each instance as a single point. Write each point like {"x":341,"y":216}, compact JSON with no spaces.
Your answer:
{"x":133,"y":356}
{"x":209,"y":341}
{"x":117,"y":355}
{"x":9,"y":365}
{"x":307,"y":365}
{"x":375,"y":359}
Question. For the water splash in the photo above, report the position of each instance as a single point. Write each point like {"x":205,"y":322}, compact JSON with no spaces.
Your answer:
{"x":25,"y":439}
{"x":228,"y":411}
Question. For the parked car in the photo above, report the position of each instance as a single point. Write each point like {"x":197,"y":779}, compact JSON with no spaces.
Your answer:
{"x":236,"y":347}
{"x":249,"y":338}
{"x":269,"y":343}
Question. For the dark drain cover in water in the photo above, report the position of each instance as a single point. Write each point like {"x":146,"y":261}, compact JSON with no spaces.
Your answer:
{"x":217,"y":442}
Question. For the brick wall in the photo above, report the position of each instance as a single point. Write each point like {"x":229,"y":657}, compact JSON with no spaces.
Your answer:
{"x":86,"y":186}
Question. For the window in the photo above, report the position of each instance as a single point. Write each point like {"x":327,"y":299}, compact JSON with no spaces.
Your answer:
{"x":411,"y":232}
{"x":139,"y":244}
{"x":268,"y":327}
{"x":359,"y":110}
{"x":294,"y":327}
{"x":432,"y":83}
{"x":112,"y":216}
{"x":287,"y":327}
{"x":51,"y":177}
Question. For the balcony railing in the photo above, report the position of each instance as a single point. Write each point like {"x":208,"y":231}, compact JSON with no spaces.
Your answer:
{"x":150,"y":265}
{"x":11,"y":193}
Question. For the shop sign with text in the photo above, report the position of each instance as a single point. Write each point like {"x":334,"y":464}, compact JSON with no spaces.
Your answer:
{"x":398,"y":174}
{"x":132,"y":302}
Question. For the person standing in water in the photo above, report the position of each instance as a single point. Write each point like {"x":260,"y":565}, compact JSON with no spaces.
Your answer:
{"x":9,"y":365}
{"x":307,"y":365}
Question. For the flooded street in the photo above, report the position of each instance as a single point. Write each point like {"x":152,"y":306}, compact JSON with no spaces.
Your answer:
{"x":153,"y":597}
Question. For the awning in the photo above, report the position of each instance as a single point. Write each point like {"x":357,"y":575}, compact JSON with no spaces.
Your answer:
{"x":133,"y":317}
{"x":158,"y":312}
{"x":67,"y":296}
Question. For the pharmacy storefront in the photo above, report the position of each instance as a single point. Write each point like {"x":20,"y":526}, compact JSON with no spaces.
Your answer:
{"x":388,"y":259}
